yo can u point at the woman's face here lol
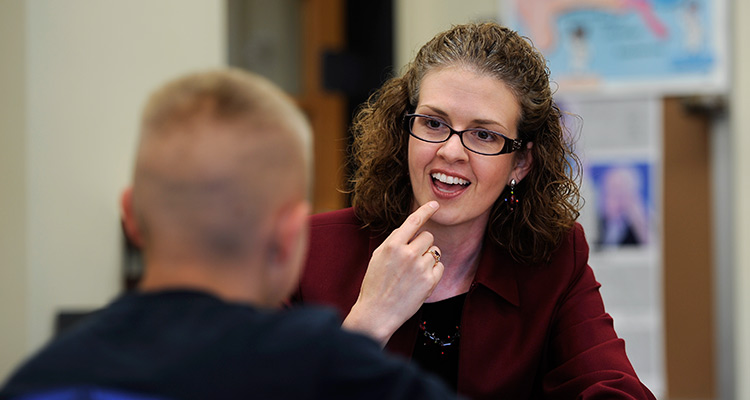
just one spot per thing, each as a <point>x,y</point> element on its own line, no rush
<point>465,184</point>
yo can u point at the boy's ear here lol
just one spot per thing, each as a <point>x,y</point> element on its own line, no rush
<point>291,234</point>
<point>129,221</point>
<point>288,250</point>
<point>524,161</point>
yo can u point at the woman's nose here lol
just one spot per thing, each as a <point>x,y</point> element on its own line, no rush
<point>453,150</point>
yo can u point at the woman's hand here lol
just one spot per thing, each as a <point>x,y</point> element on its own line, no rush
<point>401,275</point>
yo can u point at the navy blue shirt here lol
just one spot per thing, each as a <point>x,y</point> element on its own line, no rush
<point>191,345</point>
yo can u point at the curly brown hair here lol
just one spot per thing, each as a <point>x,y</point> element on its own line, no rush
<point>549,195</point>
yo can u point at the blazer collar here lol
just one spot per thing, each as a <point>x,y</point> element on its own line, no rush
<point>497,272</point>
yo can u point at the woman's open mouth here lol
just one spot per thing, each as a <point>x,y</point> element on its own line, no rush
<point>448,184</point>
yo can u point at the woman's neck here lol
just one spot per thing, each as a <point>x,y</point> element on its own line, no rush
<point>460,247</point>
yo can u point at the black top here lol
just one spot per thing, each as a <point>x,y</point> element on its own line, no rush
<point>436,349</point>
<point>191,345</point>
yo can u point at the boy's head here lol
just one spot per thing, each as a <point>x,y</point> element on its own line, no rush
<point>221,177</point>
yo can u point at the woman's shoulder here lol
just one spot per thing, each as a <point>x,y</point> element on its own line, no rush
<point>345,216</point>
<point>579,239</point>
<point>554,278</point>
<point>574,239</point>
<point>338,254</point>
<point>572,254</point>
<point>338,225</point>
<point>570,259</point>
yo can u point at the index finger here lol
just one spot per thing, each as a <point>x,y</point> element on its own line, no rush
<point>413,222</point>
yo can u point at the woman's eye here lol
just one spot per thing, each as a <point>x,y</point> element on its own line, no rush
<point>484,136</point>
<point>434,124</point>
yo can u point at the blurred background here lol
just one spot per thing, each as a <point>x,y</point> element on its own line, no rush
<point>658,86</point>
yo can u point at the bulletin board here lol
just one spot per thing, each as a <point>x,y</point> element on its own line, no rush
<point>619,142</point>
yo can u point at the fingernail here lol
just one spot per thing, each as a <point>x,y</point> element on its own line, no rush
<point>433,204</point>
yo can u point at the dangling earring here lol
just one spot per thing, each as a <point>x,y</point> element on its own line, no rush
<point>512,201</point>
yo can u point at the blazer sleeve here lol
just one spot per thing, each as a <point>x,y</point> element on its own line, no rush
<point>338,254</point>
<point>587,359</point>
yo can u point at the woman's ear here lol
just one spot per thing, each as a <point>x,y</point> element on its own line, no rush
<point>129,221</point>
<point>524,161</point>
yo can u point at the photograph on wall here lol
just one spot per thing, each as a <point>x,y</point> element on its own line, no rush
<point>622,200</point>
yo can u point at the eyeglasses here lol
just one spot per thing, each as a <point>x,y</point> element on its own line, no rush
<point>477,140</point>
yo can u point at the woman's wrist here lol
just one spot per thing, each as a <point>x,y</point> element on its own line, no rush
<point>366,323</point>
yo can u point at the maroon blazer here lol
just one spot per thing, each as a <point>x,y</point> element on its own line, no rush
<point>527,331</point>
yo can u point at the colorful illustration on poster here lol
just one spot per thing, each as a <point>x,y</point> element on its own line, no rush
<point>656,45</point>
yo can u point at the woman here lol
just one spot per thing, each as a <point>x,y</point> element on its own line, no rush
<point>487,282</point>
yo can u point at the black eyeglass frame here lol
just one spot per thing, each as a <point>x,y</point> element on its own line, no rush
<point>510,145</point>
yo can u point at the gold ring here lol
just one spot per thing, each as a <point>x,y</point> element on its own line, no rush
<point>436,255</point>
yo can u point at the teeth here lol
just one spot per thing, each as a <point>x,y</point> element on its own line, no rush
<point>450,180</point>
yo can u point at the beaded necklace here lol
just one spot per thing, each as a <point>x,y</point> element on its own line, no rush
<point>439,335</point>
<point>450,340</point>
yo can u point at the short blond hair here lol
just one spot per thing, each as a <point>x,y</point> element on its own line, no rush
<point>231,92</point>
<point>219,151</point>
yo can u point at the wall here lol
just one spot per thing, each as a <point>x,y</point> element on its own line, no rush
<point>89,66</point>
<point>740,126</point>
<point>13,284</point>
<point>417,21</point>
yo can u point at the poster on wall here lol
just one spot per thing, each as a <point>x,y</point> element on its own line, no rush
<point>632,46</point>
<point>618,140</point>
